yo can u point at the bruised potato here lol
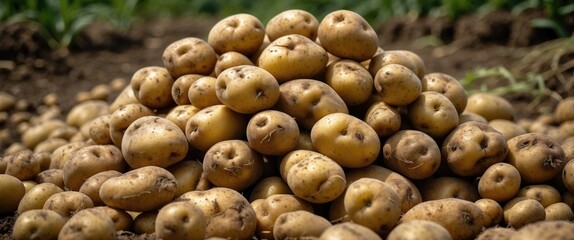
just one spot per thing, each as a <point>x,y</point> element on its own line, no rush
<point>293,21</point>
<point>272,132</point>
<point>242,33</point>
<point>189,55</point>
<point>412,153</point>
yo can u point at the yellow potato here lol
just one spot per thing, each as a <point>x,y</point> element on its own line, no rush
<point>295,224</point>
<point>152,87</point>
<point>180,220</point>
<point>229,60</point>
<point>68,203</point>
<point>543,193</point>
<point>537,157</point>
<point>448,86</point>
<point>412,153</point>
<point>500,182</point>
<point>419,230</point>
<point>509,129</point>
<point>204,129</point>
<point>269,186</point>
<point>189,55</point>
<point>38,224</point>
<point>317,179</point>
<point>492,210</point>
<point>89,161</point>
<point>181,86</point>
<point>383,118</point>
<point>88,224</point>
<point>490,106</point>
<point>397,85</point>
<point>348,230</point>
<point>23,165</point>
<point>37,196</point>
<point>433,114</point>
<point>272,132</point>
<point>187,174</point>
<point>241,33</point>
<point>123,117</point>
<point>91,187</point>
<point>268,210</point>
<point>521,211</point>
<point>202,93</point>
<point>391,57</point>
<point>12,191</point>
<point>350,80</point>
<point>293,21</point>
<point>181,114</point>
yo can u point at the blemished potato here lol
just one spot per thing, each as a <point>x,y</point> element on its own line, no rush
<point>272,132</point>
<point>204,129</point>
<point>144,223</point>
<point>563,111</point>
<point>85,112</point>
<point>55,176</point>
<point>568,175</point>
<point>189,55</point>
<point>412,153</point>
<point>383,118</point>
<point>91,160</point>
<point>537,157</point>
<point>68,203</point>
<point>12,191</point>
<point>448,86</point>
<point>62,154</point>
<point>292,225</point>
<point>88,224</point>
<point>293,21</point>
<point>462,219</point>
<point>187,174</point>
<point>100,130</point>
<point>153,141</point>
<point>152,87</point>
<point>180,220</point>
<point>91,186</point>
<point>468,116</point>
<point>448,187</point>
<point>150,188</point>
<point>181,114</point>
<point>490,106</point>
<point>397,85</point>
<point>472,147</point>
<point>509,129</point>
<point>521,211</point>
<point>317,179</point>
<point>350,80</point>
<point>202,93</point>
<point>390,57</point>
<point>347,34</point>
<point>543,193</point>
<point>228,213</point>
<point>348,230</point>
<point>417,61</point>
<point>269,186</point>
<point>434,114</point>
<point>38,133</point>
<point>229,60</point>
<point>268,210</point>
<point>497,232</point>
<point>293,56</point>
<point>309,100</point>
<point>346,139</point>
<point>419,230</point>
<point>123,117</point>
<point>241,33</point>
<point>233,164</point>
<point>545,230</point>
<point>122,220</point>
<point>247,89</point>
<point>37,196</point>
<point>500,182</point>
<point>373,204</point>
<point>292,158</point>
<point>23,165</point>
<point>38,224</point>
<point>492,210</point>
<point>181,86</point>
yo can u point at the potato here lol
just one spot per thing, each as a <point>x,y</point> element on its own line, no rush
<point>55,176</point>
<point>419,230</point>
<point>37,196</point>
<point>187,174</point>
<point>85,112</point>
<point>150,188</point>
<point>295,225</point>
<point>229,60</point>
<point>317,179</point>
<point>88,224</point>
<point>559,211</point>
<point>8,101</point>
<point>433,114</point>
<point>497,232</point>
<point>447,86</point>
<point>153,141</point>
<point>202,93</point>
<point>38,133</point>
<point>228,213</point>
<point>62,154</point>
<point>309,100</point>
<point>100,130</point>
<point>241,33</point>
<point>12,191</point>
<point>500,182</point>
<point>468,116</point>
<point>568,175</point>
<point>66,132</point>
<point>490,106</point>
<point>38,224</point>
<point>144,223</point>
<point>448,187</point>
<point>293,56</point>
<point>23,165</point>
<point>537,157</point>
<point>545,230</point>
<point>493,212</point>
<point>472,147</point>
<point>189,55</point>
<point>68,203</point>
<point>180,220</point>
<point>373,204</point>
<point>412,153</point>
<point>268,187</point>
<point>268,210</point>
<point>292,158</point>
<point>509,129</point>
<point>347,34</point>
<point>397,85</point>
<point>91,186</point>
<point>204,129</point>
<point>347,140</point>
<point>543,193</point>
<point>49,145</point>
<point>390,57</point>
<point>272,132</point>
<point>123,117</point>
<point>293,21</point>
<point>152,87</point>
<point>462,219</point>
<point>521,211</point>
<point>181,86</point>
<point>417,61</point>
<point>91,160</point>
<point>181,114</point>
<point>348,230</point>
<point>122,220</point>
<point>563,111</point>
<point>233,164</point>
<point>350,80</point>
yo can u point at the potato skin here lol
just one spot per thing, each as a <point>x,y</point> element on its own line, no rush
<point>273,132</point>
<point>12,190</point>
<point>397,85</point>
<point>38,224</point>
<point>545,230</point>
<point>296,225</point>
<point>412,153</point>
<point>169,223</point>
<point>189,55</point>
<point>122,118</point>
<point>390,57</point>
<point>448,86</point>
<point>383,118</point>
<point>537,157</point>
<point>448,187</point>
<point>350,80</point>
<point>204,130</point>
<point>419,230</point>
<point>492,210</point>
<point>242,33</point>
<point>293,21</point>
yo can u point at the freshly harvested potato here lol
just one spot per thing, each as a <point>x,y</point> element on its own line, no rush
<point>100,130</point>
<point>537,157</point>
<point>268,210</point>
<point>181,86</point>
<point>543,193</point>
<point>12,191</point>
<point>497,232</point>
<point>293,56</point>
<point>180,220</point>
<point>269,186</point>
<point>68,203</point>
<point>293,225</point>
<point>38,133</point>
<point>493,212</point>
<point>49,145</point>
<point>293,21</point>
<point>545,230</point>
<point>509,129</point>
<point>87,111</point>
<point>202,93</point>
<point>490,106</point>
<point>189,55</point>
<point>204,129</point>
<point>292,158</point>
<point>152,87</point>
<point>472,147</point>
<point>23,165</point>
<point>390,57</point>
<point>64,132</point>
<point>348,230</point>
<point>45,159</point>
<point>241,33</point>
<point>383,118</point>
<point>150,188</point>
<point>55,176</point>
<point>433,114</point>
<point>462,219</point>
<point>37,196</point>
<point>559,211</point>
<point>397,85</point>
<point>62,154</point>
<point>144,223</point>
<point>500,182</point>
<point>123,117</point>
<point>568,175</point>
<point>448,187</point>
<point>346,139</point>
<point>317,179</point>
<point>88,224</point>
<point>181,114</point>
<point>350,80</point>
<point>272,132</point>
<point>448,86</point>
<point>419,230</point>
<point>91,186</point>
<point>563,111</point>
<point>468,116</point>
<point>521,211</point>
<point>417,61</point>
<point>122,220</point>
<point>89,161</point>
<point>153,141</point>
<point>309,100</point>
<point>187,174</point>
<point>38,224</point>
<point>412,153</point>
<point>347,34</point>
<point>229,60</point>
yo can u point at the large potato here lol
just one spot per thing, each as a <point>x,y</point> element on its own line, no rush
<point>89,161</point>
<point>38,224</point>
<point>500,182</point>
<point>537,157</point>
<point>292,225</point>
<point>317,179</point>
<point>12,191</point>
<point>293,21</point>
<point>412,153</point>
<point>397,85</point>
<point>490,106</point>
<point>521,211</point>
<point>433,114</point>
<point>241,33</point>
<point>180,220</point>
<point>559,211</point>
<point>204,129</point>
<point>268,210</point>
<point>272,132</point>
<point>189,55</point>
<point>350,80</point>
<point>448,86</point>
<point>152,87</point>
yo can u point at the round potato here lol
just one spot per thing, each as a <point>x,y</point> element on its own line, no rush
<point>490,106</point>
<point>397,85</point>
<point>23,165</point>
<point>242,33</point>
<point>433,114</point>
<point>100,130</point>
<point>122,220</point>
<point>417,61</point>
<point>317,179</point>
<point>269,186</point>
<point>202,93</point>
<point>509,129</point>
<point>559,211</point>
<point>268,210</point>
<point>152,87</point>
<point>204,129</point>
<point>448,187</point>
<point>390,57</point>
<point>563,111</point>
<point>383,118</point>
<point>181,86</point>
<point>88,224</point>
<point>12,191</point>
<point>272,132</point>
<point>419,230</point>
<point>493,212</point>
<point>412,153</point>
<point>181,114</point>
<point>187,174</point>
<point>293,21</point>
<point>291,225</point>
<point>350,80</point>
<point>229,60</point>
<point>180,220</point>
<point>500,182</point>
<point>537,157</point>
<point>91,160</point>
<point>448,86</point>
<point>189,55</point>
<point>348,230</point>
<point>37,196</point>
<point>38,224</point>
<point>68,203</point>
<point>543,193</point>
<point>521,211</point>
<point>91,186</point>
<point>123,117</point>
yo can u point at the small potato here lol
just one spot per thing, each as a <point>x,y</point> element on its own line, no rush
<point>493,212</point>
<point>293,21</point>
<point>543,193</point>
<point>350,80</point>
<point>38,224</point>
<point>390,57</point>
<point>100,130</point>
<point>563,111</point>
<point>317,179</point>
<point>204,129</point>
<point>417,61</point>
<point>272,132</point>
<point>91,186</point>
<point>559,211</point>
<point>521,211</point>
<point>500,182</point>
<point>448,187</point>
<point>181,114</point>
<point>295,225</point>
<point>568,175</point>
<point>87,111</point>
<point>180,220</point>
<point>241,33</point>
<point>68,203</point>
<point>448,86</point>
<point>88,224</point>
<point>37,196</point>
<point>38,133</point>
<point>419,230</point>
<point>537,157</point>
<point>12,191</point>
<point>123,117</point>
<point>23,165</point>
<point>468,116</point>
<point>55,176</point>
<point>152,87</point>
<point>490,106</point>
<point>150,188</point>
<point>269,186</point>
<point>348,230</point>
<point>122,220</point>
<point>187,174</point>
<point>181,86</point>
<point>62,154</point>
<point>397,85</point>
<point>49,145</point>
<point>229,60</point>
<point>347,34</point>
<point>433,114</point>
<point>497,232</point>
<point>545,230</point>
<point>189,55</point>
<point>90,160</point>
<point>64,132</point>
<point>144,223</point>
<point>412,153</point>
<point>509,129</point>
<point>268,210</point>
<point>202,93</point>
<point>383,118</point>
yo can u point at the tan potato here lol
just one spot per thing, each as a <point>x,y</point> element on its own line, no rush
<point>350,80</point>
<point>268,210</point>
<point>568,174</point>
<point>568,198</point>
<point>189,55</point>
<point>37,196</point>
<point>292,21</point>
<point>91,186</point>
<point>90,160</point>
<point>509,129</point>
<point>397,85</point>
<point>100,130</point>
<point>521,211</point>
<point>23,165</point>
<point>45,158</point>
<point>448,187</point>
<point>123,117</point>
<point>29,184</point>
<point>412,153</point>
<point>417,61</point>
<point>472,147</point>
<point>492,210</point>
<point>62,154</point>
<point>433,114</point>
<point>309,100</point>
<point>144,223</point>
<point>122,220</point>
<point>38,133</point>
<point>390,57</point>
<point>181,114</point>
<point>180,220</point>
<point>203,129</point>
<point>64,132</point>
<point>181,86</point>
<point>468,116</point>
<point>490,106</point>
<point>383,118</point>
<point>272,132</point>
<point>543,193</point>
<point>7,101</point>
<point>54,176</point>
<point>293,56</point>
<point>419,230</point>
<point>347,34</point>
<point>497,232</point>
<point>559,211</point>
<point>292,158</point>
<point>447,86</point>
<point>202,93</point>
<point>537,157</point>
<point>241,33</point>
<point>68,203</point>
<point>269,186</point>
<point>87,111</point>
<point>563,111</point>
<point>187,174</point>
<point>12,191</point>
<point>348,230</point>
<point>295,225</point>
<point>38,224</point>
<point>49,145</point>
<point>545,230</point>
<point>88,224</point>
<point>500,182</point>
<point>152,87</point>
<point>229,60</point>
<point>317,179</point>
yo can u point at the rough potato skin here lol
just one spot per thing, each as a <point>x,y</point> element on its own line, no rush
<point>545,230</point>
<point>189,56</point>
<point>498,233</point>
<point>419,230</point>
<point>293,21</point>
<point>537,157</point>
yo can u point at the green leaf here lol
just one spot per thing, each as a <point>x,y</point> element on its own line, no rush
<point>550,24</point>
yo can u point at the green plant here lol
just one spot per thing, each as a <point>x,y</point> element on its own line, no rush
<point>556,13</point>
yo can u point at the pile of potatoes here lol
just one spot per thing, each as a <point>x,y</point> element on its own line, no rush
<point>296,129</point>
